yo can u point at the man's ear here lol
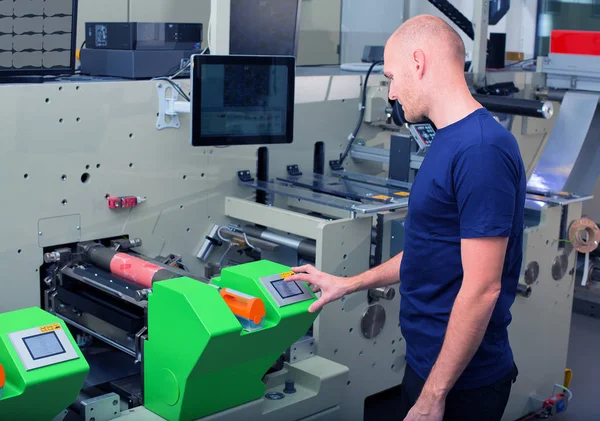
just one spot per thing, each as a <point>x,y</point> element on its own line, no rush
<point>419,62</point>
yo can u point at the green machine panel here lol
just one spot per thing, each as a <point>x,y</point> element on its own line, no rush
<point>44,367</point>
<point>198,359</point>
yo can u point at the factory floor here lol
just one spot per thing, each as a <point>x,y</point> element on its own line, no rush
<point>583,359</point>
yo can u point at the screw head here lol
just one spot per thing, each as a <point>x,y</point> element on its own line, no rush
<point>115,402</point>
<point>40,233</point>
<point>78,227</point>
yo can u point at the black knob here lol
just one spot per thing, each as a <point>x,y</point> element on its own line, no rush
<point>289,387</point>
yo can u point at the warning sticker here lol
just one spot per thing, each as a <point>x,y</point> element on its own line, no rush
<point>50,328</point>
<point>402,193</point>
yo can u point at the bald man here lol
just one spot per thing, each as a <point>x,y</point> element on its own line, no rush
<point>464,238</point>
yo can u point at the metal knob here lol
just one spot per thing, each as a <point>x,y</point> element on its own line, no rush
<point>142,294</point>
<point>382,293</point>
<point>135,242</point>
<point>524,290</point>
<point>52,257</point>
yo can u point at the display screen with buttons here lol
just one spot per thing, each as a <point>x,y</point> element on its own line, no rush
<point>423,134</point>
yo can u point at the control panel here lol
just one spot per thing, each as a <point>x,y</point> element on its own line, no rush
<point>42,346</point>
<point>286,293</point>
<point>423,134</point>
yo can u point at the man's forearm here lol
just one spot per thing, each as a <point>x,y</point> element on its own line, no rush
<point>469,319</point>
<point>385,274</point>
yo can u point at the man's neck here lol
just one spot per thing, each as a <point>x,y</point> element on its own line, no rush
<point>451,104</point>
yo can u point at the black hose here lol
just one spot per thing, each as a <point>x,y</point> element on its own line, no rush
<point>362,114</point>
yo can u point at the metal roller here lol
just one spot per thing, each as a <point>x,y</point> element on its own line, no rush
<point>306,248</point>
<point>516,106</point>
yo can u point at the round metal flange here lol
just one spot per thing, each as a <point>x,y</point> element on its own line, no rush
<point>559,267</point>
<point>532,272</point>
<point>584,235</point>
<point>372,321</point>
<point>274,396</point>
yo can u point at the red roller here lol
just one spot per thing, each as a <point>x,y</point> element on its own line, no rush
<point>134,269</point>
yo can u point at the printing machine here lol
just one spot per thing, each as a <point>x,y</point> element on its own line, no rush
<point>138,266</point>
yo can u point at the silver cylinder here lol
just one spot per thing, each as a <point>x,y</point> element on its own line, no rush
<point>306,248</point>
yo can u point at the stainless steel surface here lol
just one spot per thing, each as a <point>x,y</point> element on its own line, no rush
<point>572,71</point>
<point>557,200</point>
<point>324,199</point>
<point>372,321</point>
<point>372,179</point>
<point>384,293</point>
<point>480,26</point>
<point>370,154</point>
<point>532,272</point>
<point>560,265</point>
<point>301,350</point>
<point>102,408</point>
<point>556,170</point>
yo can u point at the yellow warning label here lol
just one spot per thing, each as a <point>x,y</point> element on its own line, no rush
<point>50,328</point>
<point>402,193</point>
<point>286,274</point>
<point>381,197</point>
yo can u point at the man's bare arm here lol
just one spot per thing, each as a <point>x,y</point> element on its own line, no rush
<point>335,287</point>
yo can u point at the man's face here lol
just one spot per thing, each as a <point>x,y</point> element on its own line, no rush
<point>404,85</point>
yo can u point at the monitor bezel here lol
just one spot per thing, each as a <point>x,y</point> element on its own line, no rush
<point>198,60</point>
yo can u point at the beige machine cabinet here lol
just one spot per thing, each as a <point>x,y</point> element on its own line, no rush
<point>354,331</point>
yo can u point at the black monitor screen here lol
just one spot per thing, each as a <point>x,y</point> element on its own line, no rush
<point>264,27</point>
<point>242,100</point>
<point>37,37</point>
<point>44,345</point>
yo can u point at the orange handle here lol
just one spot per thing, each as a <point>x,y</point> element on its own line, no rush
<point>245,306</point>
<point>2,377</point>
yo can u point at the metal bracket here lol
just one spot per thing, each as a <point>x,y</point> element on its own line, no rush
<point>169,107</point>
<point>245,176</point>
<point>335,165</point>
<point>574,81</point>
<point>293,170</point>
<point>102,408</point>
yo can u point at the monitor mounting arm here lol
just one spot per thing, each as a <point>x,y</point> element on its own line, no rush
<point>169,107</point>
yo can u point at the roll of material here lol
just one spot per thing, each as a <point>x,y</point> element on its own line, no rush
<point>516,106</point>
<point>134,269</point>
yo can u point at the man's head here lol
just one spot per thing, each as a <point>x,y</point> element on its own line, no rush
<point>423,56</point>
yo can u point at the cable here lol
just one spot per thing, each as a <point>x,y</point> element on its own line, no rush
<point>175,86</point>
<point>352,136</point>
<point>560,386</point>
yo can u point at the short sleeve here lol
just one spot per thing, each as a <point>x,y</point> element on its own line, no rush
<point>485,185</point>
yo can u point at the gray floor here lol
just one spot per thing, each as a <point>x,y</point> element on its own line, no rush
<point>584,360</point>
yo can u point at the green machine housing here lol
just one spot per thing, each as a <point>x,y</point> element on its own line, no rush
<point>41,385</point>
<point>198,359</point>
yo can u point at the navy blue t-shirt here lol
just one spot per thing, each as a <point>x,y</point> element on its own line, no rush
<point>471,184</point>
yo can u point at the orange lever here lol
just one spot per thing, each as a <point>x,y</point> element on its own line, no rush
<point>2,379</point>
<point>250,308</point>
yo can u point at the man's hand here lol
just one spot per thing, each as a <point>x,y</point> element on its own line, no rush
<point>332,287</point>
<point>427,409</point>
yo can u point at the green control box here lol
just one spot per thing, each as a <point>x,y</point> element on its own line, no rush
<point>199,359</point>
<point>45,370</point>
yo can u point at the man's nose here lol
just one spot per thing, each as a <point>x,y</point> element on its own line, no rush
<point>392,95</point>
